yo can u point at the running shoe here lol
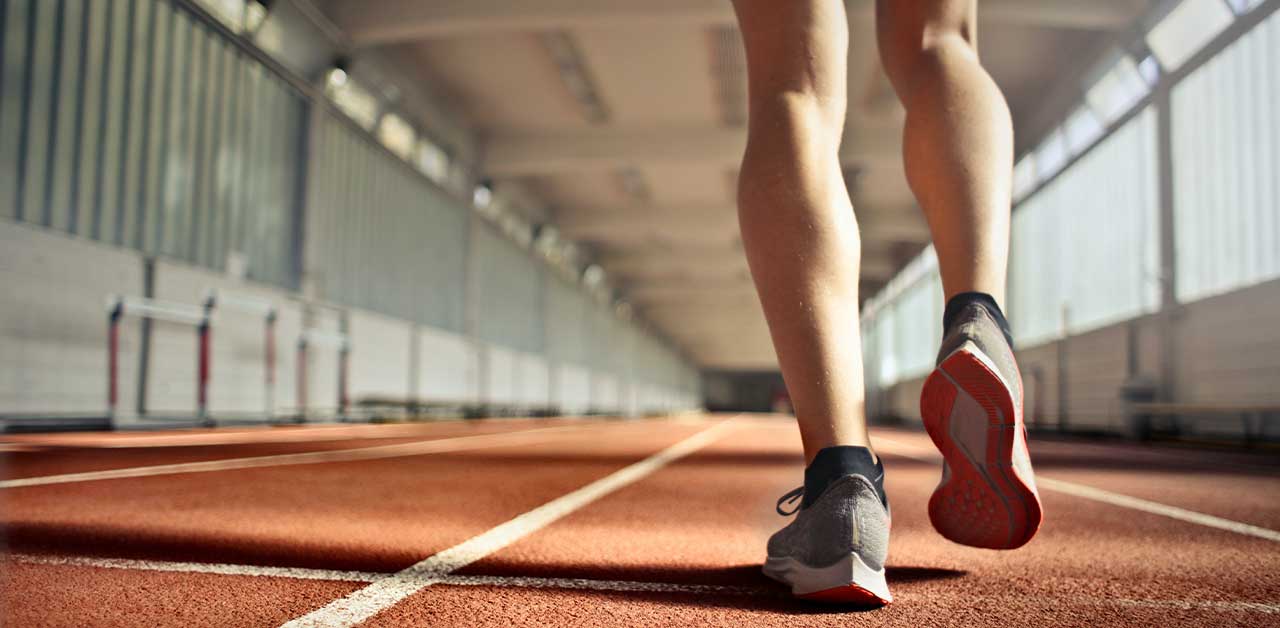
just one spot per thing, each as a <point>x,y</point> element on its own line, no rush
<point>972,408</point>
<point>835,548</point>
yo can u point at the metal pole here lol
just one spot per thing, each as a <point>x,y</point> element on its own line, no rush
<point>269,365</point>
<point>302,378</point>
<point>203,333</point>
<point>1064,361</point>
<point>344,361</point>
<point>1168,250</point>
<point>113,360</point>
<point>344,355</point>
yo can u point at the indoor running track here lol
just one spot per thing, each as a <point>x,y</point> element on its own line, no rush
<point>576,522</point>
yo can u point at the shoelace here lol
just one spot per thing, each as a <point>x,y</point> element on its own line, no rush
<point>791,497</point>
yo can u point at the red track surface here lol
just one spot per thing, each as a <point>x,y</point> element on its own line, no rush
<point>679,547</point>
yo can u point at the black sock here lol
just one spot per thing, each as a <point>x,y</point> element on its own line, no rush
<point>833,463</point>
<point>957,304</point>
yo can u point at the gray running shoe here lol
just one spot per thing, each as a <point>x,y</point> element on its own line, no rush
<point>972,409</point>
<point>834,551</point>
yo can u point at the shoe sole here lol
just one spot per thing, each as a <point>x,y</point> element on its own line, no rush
<point>984,500</point>
<point>849,581</point>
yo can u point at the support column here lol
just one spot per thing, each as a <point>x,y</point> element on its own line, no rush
<point>1168,314</point>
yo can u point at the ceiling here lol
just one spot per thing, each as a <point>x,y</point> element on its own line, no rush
<point>624,121</point>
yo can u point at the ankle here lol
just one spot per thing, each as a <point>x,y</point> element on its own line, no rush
<point>832,463</point>
<point>961,301</point>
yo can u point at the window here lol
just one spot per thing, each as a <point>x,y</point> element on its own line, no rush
<point>1186,29</point>
<point>1149,68</point>
<point>1082,129</point>
<point>1051,155</point>
<point>1119,88</point>
<point>1243,6</point>
<point>397,135</point>
<point>240,16</point>
<point>229,12</point>
<point>355,101</point>
<point>1024,177</point>
<point>432,161</point>
<point>546,244</point>
<point>516,229</point>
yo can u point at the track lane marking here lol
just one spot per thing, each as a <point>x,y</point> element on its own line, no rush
<point>387,592</point>
<point>212,437</point>
<point>438,445</point>
<point>221,569</point>
<point>335,575</point>
<point>588,584</point>
<point>1099,495</point>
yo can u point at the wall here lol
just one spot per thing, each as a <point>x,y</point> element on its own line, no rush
<point>135,135</point>
<point>55,366</point>
<point>53,322</point>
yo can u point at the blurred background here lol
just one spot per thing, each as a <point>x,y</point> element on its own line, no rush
<point>250,210</point>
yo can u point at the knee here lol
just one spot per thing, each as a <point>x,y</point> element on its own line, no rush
<point>913,36</point>
<point>797,113</point>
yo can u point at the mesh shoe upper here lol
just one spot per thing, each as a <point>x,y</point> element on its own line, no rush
<point>848,518</point>
<point>975,325</point>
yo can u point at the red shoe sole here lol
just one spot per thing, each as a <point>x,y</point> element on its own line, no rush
<point>970,415</point>
<point>850,594</point>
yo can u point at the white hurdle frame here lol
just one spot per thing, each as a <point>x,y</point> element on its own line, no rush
<point>118,307</point>
<point>266,308</point>
<point>322,338</point>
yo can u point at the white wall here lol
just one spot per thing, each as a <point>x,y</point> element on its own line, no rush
<point>499,374</point>
<point>447,366</point>
<point>533,379</point>
<point>381,350</point>
<point>574,388</point>
<point>604,393</point>
<point>53,322</point>
<point>53,360</point>
<point>323,363</point>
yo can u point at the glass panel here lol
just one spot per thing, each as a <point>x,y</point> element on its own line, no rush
<point>432,161</point>
<point>1051,155</point>
<point>1024,177</point>
<point>1186,29</point>
<point>1082,129</point>
<point>229,12</point>
<point>358,103</point>
<point>397,135</point>
<point>1117,90</point>
<point>1226,150</point>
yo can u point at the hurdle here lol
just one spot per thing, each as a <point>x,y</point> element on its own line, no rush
<point>265,308</point>
<point>118,307</point>
<point>322,338</point>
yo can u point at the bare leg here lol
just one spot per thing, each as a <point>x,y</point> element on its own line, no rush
<point>958,143</point>
<point>958,150</point>
<point>797,221</point>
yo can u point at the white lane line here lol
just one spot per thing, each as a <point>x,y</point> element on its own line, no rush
<point>587,584</point>
<point>439,445</point>
<point>385,593</point>
<point>300,573</point>
<point>1200,605</point>
<point>221,569</point>
<point>1173,512</point>
<point>202,437</point>
<point>1100,495</point>
<point>1006,601</point>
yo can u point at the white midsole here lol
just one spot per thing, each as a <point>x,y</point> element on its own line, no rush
<point>848,570</point>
